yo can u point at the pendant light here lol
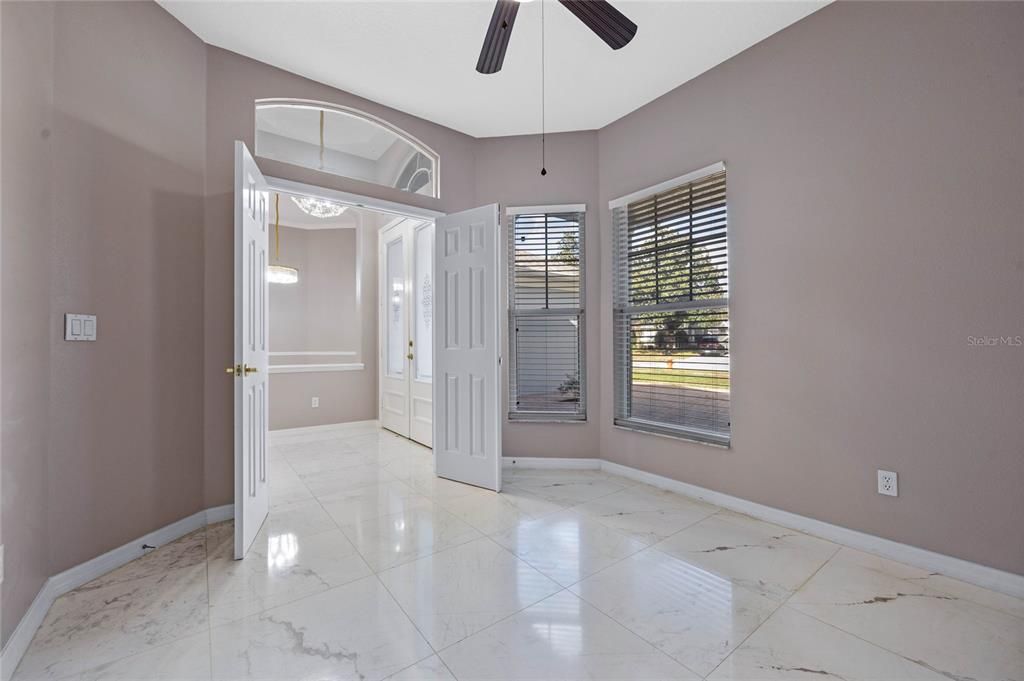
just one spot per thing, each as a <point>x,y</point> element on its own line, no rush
<point>280,274</point>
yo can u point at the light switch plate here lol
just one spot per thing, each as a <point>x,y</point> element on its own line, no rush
<point>79,327</point>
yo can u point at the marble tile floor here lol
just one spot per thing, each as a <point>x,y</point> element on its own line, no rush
<point>371,568</point>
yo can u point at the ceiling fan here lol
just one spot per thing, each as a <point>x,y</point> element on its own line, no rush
<point>610,25</point>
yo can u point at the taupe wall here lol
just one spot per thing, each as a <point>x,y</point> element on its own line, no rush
<point>26,57</point>
<point>508,172</point>
<point>104,116</point>
<point>875,164</point>
<point>316,314</point>
<point>875,154</point>
<point>128,171</point>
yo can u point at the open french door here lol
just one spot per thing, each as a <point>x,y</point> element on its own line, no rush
<point>250,370</point>
<point>467,339</point>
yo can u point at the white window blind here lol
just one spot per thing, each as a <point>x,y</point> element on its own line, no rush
<point>671,309</point>
<point>546,372</point>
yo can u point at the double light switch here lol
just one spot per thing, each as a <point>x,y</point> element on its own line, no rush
<point>80,327</point>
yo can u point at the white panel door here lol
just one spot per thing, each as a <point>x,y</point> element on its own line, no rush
<point>394,327</point>
<point>467,394</point>
<point>252,497</point>
<point>421,373</point>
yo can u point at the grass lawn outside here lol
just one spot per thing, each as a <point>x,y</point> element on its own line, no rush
<point>699,378</point>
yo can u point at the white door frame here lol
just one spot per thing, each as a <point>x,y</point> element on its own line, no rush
<point>278,184</point>
<point>401,211</point>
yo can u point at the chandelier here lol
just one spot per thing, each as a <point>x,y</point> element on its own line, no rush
<point>319,208</point>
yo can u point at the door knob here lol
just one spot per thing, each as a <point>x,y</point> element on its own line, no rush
<point>250,370</point>
<point>234,371</point>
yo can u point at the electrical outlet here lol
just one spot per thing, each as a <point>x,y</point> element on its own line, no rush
<point>888,483</point>
<point>316,402</point>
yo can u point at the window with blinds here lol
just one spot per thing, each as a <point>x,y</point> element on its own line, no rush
<point>671,308</point>
<point>545,285</point>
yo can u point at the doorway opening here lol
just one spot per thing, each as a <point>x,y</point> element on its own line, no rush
<point>327,356</point>
<point>336,320</point>
<point>337,353</point>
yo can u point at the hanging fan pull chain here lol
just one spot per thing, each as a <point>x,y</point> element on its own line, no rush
<point>543,94</point>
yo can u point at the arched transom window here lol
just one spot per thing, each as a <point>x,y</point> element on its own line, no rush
<point>345,142</point>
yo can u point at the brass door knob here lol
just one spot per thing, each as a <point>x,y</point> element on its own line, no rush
<point>250,370</point>
<point>234,371</point>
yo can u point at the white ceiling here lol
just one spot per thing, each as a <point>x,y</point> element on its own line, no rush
<point>420,56</point>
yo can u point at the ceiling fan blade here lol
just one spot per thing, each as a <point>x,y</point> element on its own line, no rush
<point>492,54</point>
<point>608,23</point>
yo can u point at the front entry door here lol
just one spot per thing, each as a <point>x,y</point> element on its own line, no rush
<point>406,309</point>
<point>467,396</point>
<point>252,497</point>
<point>394,338</point>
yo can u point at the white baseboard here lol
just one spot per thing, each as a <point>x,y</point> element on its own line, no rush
<point>219,514</point>
<point>72,578</point>
<point>980,575</point>
<point>22,635</point>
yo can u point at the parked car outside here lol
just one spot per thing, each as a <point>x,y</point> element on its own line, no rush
<point>710,346</point>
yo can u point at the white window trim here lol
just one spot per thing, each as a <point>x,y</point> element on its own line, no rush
<point>694,435</point>
<point>686,178</point>
<point>559,208</point>
<point>512,416</point>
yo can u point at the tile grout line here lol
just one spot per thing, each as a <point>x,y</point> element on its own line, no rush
<point>147,648</point>
<point>919,663</point>
<point>376,576</point>
<point>777,609</point>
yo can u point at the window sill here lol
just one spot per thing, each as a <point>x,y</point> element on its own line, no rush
<point>541,419</point>
<point>725,443</point>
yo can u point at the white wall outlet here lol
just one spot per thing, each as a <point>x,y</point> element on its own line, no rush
<point>316,402</point>
<point>888,483</point>
<point>79,327</point>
